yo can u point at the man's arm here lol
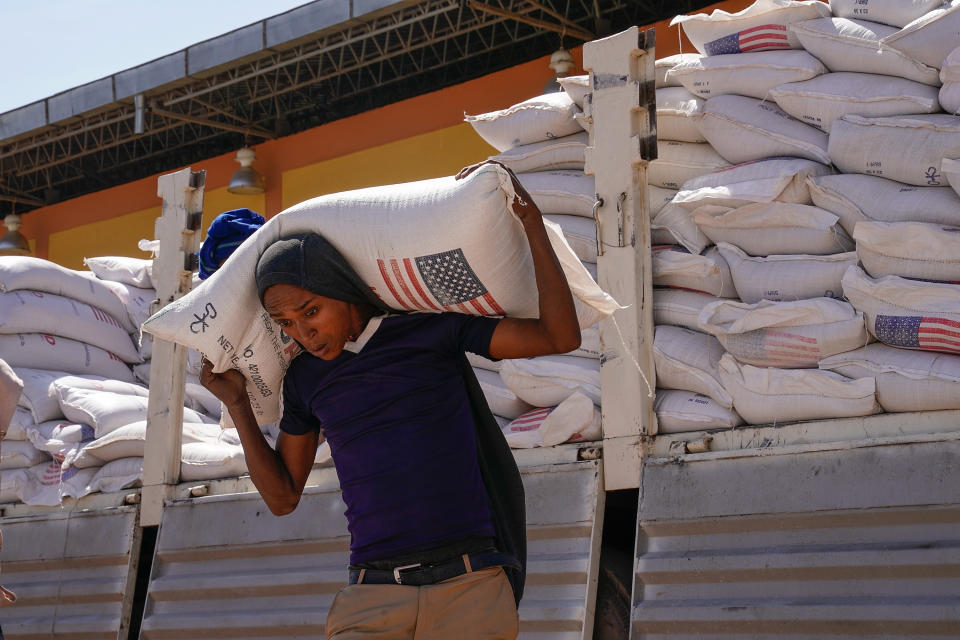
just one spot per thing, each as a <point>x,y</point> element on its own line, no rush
<point>557,329</point>
<point>278,475</point>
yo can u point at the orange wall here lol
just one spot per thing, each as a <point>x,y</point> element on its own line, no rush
<point>418,138</point>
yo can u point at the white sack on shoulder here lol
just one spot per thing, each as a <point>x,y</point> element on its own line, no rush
<point>42,351</point>
<point>759,27</point>
<point>906,313</point>
<point>136,272</point>
<point>707,272</point>
<point>767,395</point>
<point>907,380</point>
<point>680,308</point>
<point>678,162</point>
<point>773,179</point>
<point>904,148</point>
<point>786,277</point>
<point>745,74</point>
<point>909,249</point>
<point>549,380</point>
<point>793,334</point>
<point>540,118</point>
<point>897,13</point>
<point>677,113</point>
<point>26,311</point>
<point>930,37</point>
<point>500,398</point>
<point>744,129</point>
<point>822,100</point>
<point>681,411</point>
<point>25,272</point>
<point>687,360</point>
<point>569,192</point>
<point>380,232</point>
<point>774,228</point>
<point>550,155</point>
<point>106,412</point>
<point>855,197</point>
<point>855,45</point>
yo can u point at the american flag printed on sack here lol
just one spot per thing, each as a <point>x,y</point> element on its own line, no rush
<point>928,333</point>
<point>774,348</point>
<point>765,37</point>
<point>530,420</point>
<point>439,282</point>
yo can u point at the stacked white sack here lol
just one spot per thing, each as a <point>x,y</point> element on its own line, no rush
<point>770,395</point>
<point>551,170</point>
<point>793,334</point>
<point>950,77</point>
<point>741,74</point>
<point>855,197</point>
<point>72,422</point>
<point>58,319</point>
<point>907,380</point>
<point>907,313</point>
<point>761,26</point>
<point>131,279</point>
<point>884,75</point>
<point>915,250</point>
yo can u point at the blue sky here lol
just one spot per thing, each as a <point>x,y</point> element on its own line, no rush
<point>48,46</point>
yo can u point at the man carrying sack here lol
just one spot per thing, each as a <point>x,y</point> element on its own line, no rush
<point>435,505</point>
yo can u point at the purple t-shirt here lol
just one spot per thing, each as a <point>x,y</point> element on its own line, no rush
<point>395,410</point>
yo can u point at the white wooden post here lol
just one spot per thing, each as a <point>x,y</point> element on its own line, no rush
<point>622,141</point>
<point>178,230</point>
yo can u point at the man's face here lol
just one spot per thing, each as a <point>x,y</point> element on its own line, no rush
<point>320,324</point>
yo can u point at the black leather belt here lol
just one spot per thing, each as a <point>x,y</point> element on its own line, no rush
<point>418,575</point>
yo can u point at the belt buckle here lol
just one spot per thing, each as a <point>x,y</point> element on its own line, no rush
<point>397,570</point>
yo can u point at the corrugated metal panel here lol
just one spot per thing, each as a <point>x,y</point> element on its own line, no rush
<point>564,522</point>
<point>70,571</point>
<point>857,542</point>
<point>226,568</point>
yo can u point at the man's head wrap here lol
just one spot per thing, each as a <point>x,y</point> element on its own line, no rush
<point>227,232</point>
<point>308,261</point>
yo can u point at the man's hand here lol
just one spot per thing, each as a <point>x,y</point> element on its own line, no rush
<point>230,387</point>
<point>523,205</point>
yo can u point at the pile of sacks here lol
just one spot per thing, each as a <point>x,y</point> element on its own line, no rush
<point>817,276</point>
<point>805,233</point>
<point>73,339</point>
<point>552,399</point>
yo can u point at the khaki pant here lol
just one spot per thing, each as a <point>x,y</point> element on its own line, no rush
<point>474,606</point>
